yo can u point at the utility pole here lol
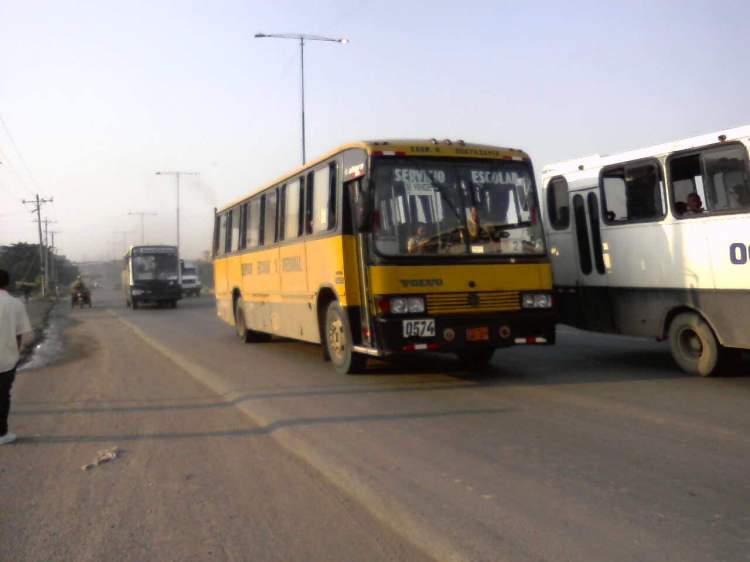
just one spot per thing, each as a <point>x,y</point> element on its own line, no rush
<point>177,177</point>
<point>53,269</point>
<point>46,249</point>
<point>143,239</point>
<point>37,209</point>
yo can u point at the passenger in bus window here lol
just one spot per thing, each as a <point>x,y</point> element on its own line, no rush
<point>680,207</point>
<point>739,197</point>
<point>416,244</point>
<point>694,204</point>
<point>472,223</point>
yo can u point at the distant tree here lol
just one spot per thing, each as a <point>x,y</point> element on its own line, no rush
<point>21,260</point>
<point>65,270</point>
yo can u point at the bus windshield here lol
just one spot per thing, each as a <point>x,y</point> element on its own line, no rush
<point>441,207</point>
<point>158,267</point>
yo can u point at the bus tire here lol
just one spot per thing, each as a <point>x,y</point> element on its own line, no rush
<point>243,332</point>
<point>693,344</point>
<point>476,358</point>
<point>339,343</point>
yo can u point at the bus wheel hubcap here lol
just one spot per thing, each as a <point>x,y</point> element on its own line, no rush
<point>691,344</point>
<point>336,337</point>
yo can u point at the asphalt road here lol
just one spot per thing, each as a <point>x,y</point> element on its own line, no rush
<point>596,449</point>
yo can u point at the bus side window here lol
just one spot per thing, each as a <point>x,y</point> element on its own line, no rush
<point>228,232</point>
<point>309,203</point>
<point>633,192</point>
<point>558,207</point>
<point>718,175</point>
<point>292,196</point>
<point>243,226</point>
<point>219,222</point>
<point>235,240</point>
<point>324,198</point>
<point>253,223</point>
<point>269,212</point>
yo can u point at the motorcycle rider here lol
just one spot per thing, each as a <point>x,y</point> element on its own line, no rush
<point>79,287</point>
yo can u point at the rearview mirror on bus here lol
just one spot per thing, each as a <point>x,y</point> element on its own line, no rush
<point>363,212</point>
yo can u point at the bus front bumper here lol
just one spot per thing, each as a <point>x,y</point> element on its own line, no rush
<point>146,295</point>
<point>469,331</point>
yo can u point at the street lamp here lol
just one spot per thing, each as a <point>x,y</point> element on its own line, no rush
<point>142,231</point>
<point>177,177</point>
<point>301,39</point>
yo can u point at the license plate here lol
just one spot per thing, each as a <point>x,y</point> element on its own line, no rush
<point>477,334</point>
<point>421,328</point>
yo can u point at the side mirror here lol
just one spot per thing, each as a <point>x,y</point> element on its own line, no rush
<point>363,212</point>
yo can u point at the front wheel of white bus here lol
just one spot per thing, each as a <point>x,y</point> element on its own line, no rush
<point>339,342</point>
<point>694,345</point>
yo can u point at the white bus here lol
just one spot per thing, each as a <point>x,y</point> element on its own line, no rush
<point>629,256</point>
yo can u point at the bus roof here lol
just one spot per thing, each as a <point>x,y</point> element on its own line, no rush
<point>597,161</point>
<point>404,147</point>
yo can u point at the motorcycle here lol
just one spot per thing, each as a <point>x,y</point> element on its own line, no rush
<point>80,297</point>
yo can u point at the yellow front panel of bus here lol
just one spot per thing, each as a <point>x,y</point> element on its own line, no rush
<point>421,279</point>
<point>332,262</point>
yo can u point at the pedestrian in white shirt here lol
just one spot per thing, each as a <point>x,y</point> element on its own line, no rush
<point>14,322</point>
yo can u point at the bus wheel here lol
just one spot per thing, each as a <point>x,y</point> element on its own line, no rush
<point>477,358</point>
<point>339,342</point>
<point>239,323</point>
<point>693,344</point>
<point>243,332</point>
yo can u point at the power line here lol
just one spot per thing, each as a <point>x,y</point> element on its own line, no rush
<point>20,156</point>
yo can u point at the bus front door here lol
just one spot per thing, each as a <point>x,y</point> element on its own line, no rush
<point>595,309</point>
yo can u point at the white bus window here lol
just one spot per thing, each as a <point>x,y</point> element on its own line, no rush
<point>633,192</point>
<point>718,176</point>
<point>558,206</point>
<point>725,178</point>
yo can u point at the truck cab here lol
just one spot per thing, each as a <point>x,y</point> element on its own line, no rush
<point>191,283</point>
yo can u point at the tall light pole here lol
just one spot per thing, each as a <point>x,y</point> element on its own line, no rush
<point>142,231</point>
<point>177,178</point>
<point>302,38</point>
<point>124,233</point>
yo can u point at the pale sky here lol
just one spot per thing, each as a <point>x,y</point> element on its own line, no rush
<point>97,96</point>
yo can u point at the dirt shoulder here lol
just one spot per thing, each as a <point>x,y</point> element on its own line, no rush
<point>38,311</point>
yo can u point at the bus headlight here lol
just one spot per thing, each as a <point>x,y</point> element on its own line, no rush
<point>415,304</point>
<point>398,306</point>
<point>401,305</point>
<point>536,300</point>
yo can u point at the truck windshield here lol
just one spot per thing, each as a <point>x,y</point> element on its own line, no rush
<point>439,207</point>
<point>162,267</point>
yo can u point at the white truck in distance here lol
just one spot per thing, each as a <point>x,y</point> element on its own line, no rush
<point>191,283</point>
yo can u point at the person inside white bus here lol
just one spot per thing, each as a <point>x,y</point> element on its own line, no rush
<point>739,197</point>
<point>694,204</point>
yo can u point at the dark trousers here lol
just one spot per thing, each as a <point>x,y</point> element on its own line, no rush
<point>6,382</point>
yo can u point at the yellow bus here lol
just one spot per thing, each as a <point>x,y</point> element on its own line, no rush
<point>389,247</point>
